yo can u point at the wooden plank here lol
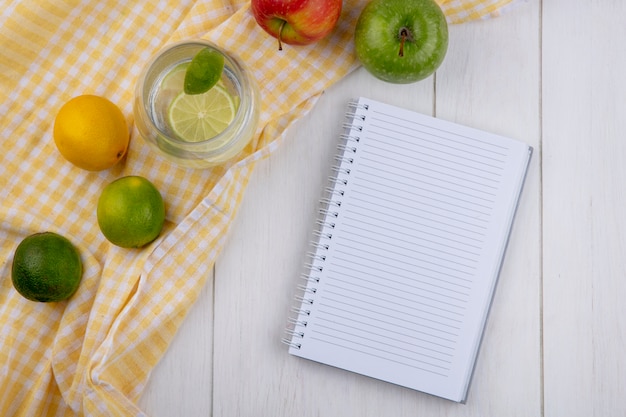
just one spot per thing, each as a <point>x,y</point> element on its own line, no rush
<point>584,235</point>
<point>490,80</point>
<point>258,273</point>
<point>181,383</point>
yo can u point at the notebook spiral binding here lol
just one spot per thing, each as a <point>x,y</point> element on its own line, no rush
<point>330,210</point>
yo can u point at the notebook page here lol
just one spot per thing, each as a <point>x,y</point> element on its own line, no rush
<point>411,249</point>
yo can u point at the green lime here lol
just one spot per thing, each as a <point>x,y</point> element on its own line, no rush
<point>46,267</point>
<point>175,78</point>
<point>204,71</point>
<point>131,212</point>
<point>199,117</point>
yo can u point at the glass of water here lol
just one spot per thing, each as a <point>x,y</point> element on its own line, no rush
<point>196,131</point>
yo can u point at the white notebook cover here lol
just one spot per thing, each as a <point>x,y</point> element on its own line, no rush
<point>411,240</point>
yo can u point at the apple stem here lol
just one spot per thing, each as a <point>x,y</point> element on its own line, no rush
<point>404,34</point>
<point>280,34</point>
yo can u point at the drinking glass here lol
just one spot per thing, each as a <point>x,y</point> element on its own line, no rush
<point>161,82</point>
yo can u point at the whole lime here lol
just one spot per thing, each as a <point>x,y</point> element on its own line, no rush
<point>131,212</point>
<point>46,267</point>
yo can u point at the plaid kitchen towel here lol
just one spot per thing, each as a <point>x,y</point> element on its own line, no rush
<point>91,355</point>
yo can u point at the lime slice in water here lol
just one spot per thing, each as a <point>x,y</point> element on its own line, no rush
<point>201,116</point>
<point>204,71</point>
<point>175,79</point>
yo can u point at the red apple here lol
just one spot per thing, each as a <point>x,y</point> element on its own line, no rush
<point>297,22</point>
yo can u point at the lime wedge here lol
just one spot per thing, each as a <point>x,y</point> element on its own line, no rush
<point>175,79</point>
<point>198,117</point>
<point>204,71</point>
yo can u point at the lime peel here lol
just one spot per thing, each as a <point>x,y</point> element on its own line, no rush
<point>204,71</point>
<point>130,212</point>
<point>46,267</point>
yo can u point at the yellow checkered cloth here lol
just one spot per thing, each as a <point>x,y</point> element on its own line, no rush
<point>92,355</point>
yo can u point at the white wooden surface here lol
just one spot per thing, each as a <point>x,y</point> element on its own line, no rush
<point>550,73</point>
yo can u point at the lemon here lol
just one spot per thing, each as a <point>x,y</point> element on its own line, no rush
<point>198,117</point>
<point>91,132</point>
<point>46,267</point>
<point>131,212</point>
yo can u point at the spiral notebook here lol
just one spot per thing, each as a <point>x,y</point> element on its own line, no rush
<point>408,249</point>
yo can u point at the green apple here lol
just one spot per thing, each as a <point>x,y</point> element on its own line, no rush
<point>401,41</point>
